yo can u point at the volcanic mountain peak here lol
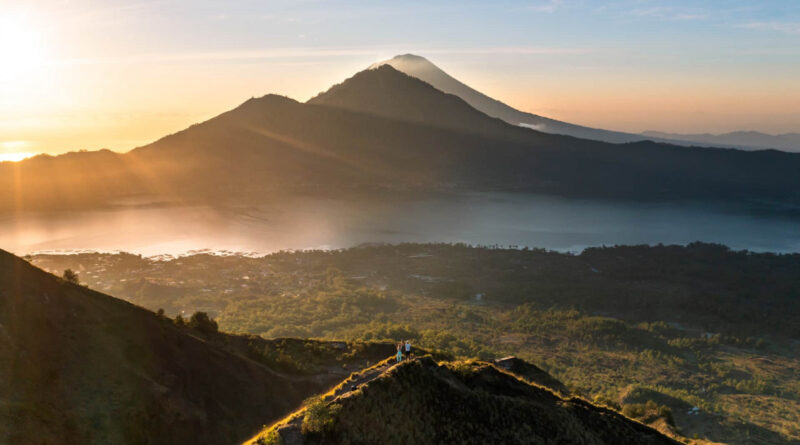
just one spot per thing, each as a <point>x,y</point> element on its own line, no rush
<point>423,69</point>
<point>410,62</point>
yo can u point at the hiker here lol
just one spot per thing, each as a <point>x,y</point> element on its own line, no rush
<point>400,352</point>
<point>408,348</point>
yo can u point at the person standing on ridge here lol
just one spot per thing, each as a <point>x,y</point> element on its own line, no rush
<point>408,348</point>
<point>400,352</point>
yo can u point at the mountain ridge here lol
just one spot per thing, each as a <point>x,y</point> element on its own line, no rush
<point>382,132</point>
<point>428,402</point>
<point>746,140</point>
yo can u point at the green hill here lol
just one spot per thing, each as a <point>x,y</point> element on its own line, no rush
<point>424,402</point>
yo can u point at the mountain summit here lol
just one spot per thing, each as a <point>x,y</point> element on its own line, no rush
<point>423,69</point>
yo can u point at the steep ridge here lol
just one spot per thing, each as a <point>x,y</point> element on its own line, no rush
<point>80,367</point>
<point>425,402</point>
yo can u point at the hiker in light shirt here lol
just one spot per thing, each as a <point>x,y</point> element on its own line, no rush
<point>408,348</point>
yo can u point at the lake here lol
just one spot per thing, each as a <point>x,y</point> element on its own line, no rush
<point>487,219</point>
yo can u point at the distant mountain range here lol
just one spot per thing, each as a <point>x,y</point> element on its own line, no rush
<point>746,140</point>
<point>385,132</point>
<point>423,69</point>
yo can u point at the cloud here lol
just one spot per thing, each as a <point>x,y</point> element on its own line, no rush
<point>548,7</point>
<point>792,28</point>
<point>512,50</point>
<point>668,13</point>
<point>233,55</point>
<point>688,16</point>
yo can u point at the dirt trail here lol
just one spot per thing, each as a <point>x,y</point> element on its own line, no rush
<point>364,378</point>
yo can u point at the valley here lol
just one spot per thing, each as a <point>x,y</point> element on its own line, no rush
<point>620,325</point>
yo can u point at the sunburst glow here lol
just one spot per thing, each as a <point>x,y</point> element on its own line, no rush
<point>14,157</point>
<point>14,151</point>
<point>20,47</point>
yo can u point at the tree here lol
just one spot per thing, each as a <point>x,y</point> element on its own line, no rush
<point>71,277</point>
<point>200,321</point>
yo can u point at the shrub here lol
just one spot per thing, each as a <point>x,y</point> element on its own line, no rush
<point>319,416</point>
<point>633,410</point>
<point>71,277</point>
<point>270,438</point>
<point>666,412</point>
<point>646,411</point>
<point>179,321</point>
<point>200,321</point>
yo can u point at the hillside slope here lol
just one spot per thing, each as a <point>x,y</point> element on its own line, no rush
<point>80,367</point>
<point>424,402</point>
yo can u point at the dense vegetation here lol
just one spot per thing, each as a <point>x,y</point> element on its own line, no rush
<point>684,327</point>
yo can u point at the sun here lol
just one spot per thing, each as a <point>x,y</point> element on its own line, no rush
<point>15,157</point>
<point>20,47</point>
<point>13,151</point>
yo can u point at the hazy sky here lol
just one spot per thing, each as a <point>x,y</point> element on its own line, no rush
<point>86,74</point>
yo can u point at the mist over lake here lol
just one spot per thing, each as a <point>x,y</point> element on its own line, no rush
<point>479,219</point>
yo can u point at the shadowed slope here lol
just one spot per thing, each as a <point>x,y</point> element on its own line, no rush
<point>80,367</point>
<point>531,373</point>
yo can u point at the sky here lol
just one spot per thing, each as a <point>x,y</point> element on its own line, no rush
<point>90,74</point>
